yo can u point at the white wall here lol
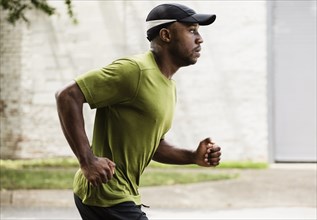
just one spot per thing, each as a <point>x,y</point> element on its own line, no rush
<point>222,96</point>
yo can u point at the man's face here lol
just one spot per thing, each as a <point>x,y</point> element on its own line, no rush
<point>185,43</point>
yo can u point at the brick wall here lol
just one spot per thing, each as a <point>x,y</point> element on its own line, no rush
<point>222,96</point>
<point>10,91</point>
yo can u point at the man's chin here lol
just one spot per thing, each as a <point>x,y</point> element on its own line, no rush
<point>194,61</point>
<point>190,62</point>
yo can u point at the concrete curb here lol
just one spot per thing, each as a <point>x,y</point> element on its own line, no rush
<point>56,198</point>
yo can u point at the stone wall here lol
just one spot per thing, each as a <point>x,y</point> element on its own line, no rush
<point>223,96</point>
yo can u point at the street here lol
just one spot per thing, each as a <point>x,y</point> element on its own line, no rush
<point>70,213</point>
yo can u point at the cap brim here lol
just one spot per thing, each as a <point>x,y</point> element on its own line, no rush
<point>201,19</point>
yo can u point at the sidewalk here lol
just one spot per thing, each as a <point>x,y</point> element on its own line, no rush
<point>284,190</point>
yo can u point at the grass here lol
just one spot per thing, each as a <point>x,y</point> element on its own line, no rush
<point>58,173</point>
<point>36,178</point>
<point>172,178</point>
<point>223,165</point>
<point>35,163</point>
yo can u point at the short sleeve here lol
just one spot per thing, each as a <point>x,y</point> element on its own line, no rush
<point>113,84</point>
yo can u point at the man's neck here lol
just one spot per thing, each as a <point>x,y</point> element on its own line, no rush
<point>165,64</point>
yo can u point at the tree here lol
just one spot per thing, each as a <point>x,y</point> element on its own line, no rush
<point>17,8</point>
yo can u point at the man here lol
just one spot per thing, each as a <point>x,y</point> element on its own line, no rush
<point>135,99</point>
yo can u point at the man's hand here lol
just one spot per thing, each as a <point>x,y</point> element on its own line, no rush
<point>208,153</point>
<point>99,170</point>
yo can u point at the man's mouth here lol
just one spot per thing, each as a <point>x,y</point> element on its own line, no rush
<point>197,51</point>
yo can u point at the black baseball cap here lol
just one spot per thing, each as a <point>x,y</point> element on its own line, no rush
<point>163,15</point>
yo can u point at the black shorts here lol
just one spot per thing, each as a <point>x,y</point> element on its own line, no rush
<point>122,211</point>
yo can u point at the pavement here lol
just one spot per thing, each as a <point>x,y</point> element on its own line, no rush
<point>283,191</point>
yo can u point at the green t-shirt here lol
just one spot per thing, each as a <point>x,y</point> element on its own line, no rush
<point>135,104</point>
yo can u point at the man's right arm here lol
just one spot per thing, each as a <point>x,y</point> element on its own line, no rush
<point>70,101</point>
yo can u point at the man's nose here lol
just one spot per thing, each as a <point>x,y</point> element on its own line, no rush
<point>199,39</point>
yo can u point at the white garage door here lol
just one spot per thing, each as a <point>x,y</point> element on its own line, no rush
<point>292,56</point>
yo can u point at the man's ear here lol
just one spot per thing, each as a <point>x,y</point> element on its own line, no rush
<point>165,35</point>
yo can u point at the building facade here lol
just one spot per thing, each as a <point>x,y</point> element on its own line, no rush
<point>229,95</point>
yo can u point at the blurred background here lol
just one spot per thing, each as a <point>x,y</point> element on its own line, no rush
<point>253,91</point>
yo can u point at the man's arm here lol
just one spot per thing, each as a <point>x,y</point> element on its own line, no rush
<point>207,154</point>
<point>70,101</point>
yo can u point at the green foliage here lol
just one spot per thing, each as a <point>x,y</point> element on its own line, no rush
<point>17,9</point>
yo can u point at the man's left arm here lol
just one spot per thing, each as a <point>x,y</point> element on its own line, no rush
<point>207,154</point>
